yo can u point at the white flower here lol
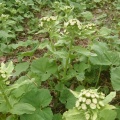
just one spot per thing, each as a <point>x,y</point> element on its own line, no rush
<point>96,95</point>
<point>88,101</point>
<point>101,103</point>
<point>92,96</point>
<point>87,94</point>
<point>87,116</point>
<point>80,99</point>
<point>83,106</point>
<point>77,104</point>
<point>3,75</point>
<point>92,106</point>
<point>94,100</point>
<point>83,99</point>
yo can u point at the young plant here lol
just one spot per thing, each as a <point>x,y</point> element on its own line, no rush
<point>91,105</point>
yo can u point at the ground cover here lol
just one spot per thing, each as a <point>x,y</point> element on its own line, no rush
<point>60,60</point>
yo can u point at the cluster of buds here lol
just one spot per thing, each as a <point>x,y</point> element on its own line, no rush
<point>4,17</point>
<point>5,71</point>
<point>89,26</point>
<point>73,22</point>
<point>47,19</point>
<point>90,100</point>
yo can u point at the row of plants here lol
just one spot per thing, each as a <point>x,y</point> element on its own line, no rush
<point>77,77</point>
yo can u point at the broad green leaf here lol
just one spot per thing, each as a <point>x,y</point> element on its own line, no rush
<point>37,98</point>
<point>113,57</point>
<point>87,15</point>
<point>43,67</point>
<point>83,51</point>
<point>109,97</point>
<point>21,67</point>
<point>22,108</point>
<point>104,31</point>
<point>57,116</point>
<point>76,94</point>
<point>24,44</point>
<point>100,49</point>
<point>39,114</point>
<point>115,78</point>
<point>73,114</point>
<point>43,44</point>
<point>107,114</point>
<point>67,98</point>
<point>118,112</point>
<point>81,67</point>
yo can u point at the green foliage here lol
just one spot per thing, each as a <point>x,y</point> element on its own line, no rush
<point>54,46</point>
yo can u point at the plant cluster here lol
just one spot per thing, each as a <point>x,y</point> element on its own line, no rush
<point>65,60</point>
<point>90,105</point>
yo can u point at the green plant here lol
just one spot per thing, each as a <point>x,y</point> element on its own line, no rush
<point>91,105</point>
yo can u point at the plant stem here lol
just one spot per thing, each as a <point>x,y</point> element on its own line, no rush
<point>98,77</point>
<point>5,97</point>
<point>68,57</point>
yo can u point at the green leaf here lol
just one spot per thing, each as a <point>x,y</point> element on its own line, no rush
<point>21,67</point>
<point>109,97</point>
<point>118,112</point>
<point>11,117</point>
<point>39,114</point>
<point>43,67</point>
<point>100,49</point>
<point>74,114</point>
<point>67,98</point>
<point>87,15</point>
<point>104,31</point>
<point>57,116</point>
<point>97,0</point>
<point>108,114</point>
<point>10,67</point>
<point>22,108</point>
<point>113,57</point>
<point>83,51</point>
<point>37,97</point>
<point>115,78</point>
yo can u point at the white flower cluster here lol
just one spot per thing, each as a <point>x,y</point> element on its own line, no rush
<point>90,25</point>
<point>5,71</point>
<point>73,22</point>
<point>47,19</point>
<point>4,17</point>
<point>90,100</point>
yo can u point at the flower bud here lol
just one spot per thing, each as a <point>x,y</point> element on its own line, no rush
<point>88,101</point>
<point>83,106</point>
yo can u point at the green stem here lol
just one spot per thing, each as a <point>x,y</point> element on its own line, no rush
<point>68,57</point>
<point>98,77</point>
<point>5,97</point>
